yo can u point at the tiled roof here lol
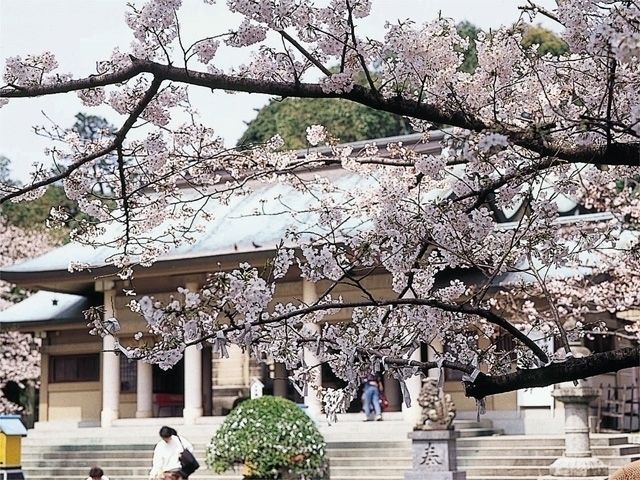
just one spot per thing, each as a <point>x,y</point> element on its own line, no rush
<point>45,306</point>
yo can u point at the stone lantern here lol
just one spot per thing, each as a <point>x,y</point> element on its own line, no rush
<point>577,461</point>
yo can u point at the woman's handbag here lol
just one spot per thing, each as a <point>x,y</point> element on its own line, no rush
<point>188,461</point>
<point>384,403</point>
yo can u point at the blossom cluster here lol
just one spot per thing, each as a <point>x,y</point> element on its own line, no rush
<point>29,71</point>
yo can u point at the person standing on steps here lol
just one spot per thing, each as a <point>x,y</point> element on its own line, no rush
<point>371,397</point>
<point>166,455</point>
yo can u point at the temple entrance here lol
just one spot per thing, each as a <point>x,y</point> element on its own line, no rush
<point>391,390</point>
<point>168,391</point>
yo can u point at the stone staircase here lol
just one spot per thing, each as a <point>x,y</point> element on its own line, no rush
<point>520,457</point>
<point>357,450</point>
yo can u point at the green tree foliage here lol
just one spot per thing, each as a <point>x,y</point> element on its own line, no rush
<point>469,31</point>
<point>93,128</point>
<point>5,171</point>
<point>272,438</point>
<point>548,41</point>
<point>32,215</point>
<point>347,121</point>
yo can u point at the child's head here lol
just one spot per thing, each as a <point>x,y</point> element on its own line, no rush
<point>173,476</point>
<point>96,473</point>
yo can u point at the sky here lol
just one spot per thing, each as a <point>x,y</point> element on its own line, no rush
<point>80,32</point>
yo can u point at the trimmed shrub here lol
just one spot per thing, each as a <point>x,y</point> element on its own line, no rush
<point>272,439</point>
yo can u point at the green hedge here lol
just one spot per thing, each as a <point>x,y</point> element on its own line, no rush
<point>272,438</point>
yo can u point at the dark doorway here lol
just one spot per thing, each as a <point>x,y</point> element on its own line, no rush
<point>168,391</point>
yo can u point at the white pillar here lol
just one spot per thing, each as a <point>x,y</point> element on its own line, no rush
<point>192,384</point>
<point>110,369</point>
<point>144,390</point>
<point>192,378</point>
<point>312,399</point>
<point>414,384</point>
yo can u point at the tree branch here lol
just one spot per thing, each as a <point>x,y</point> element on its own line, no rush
<point>117,143</point>
<point>613,154</point>
<point>304,52</point>
<point>483,313</point>
<point>571,369</point>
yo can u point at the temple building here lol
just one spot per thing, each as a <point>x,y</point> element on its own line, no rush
<point>83,381</point>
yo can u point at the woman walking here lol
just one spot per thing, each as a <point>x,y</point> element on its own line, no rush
<point>166,455</point>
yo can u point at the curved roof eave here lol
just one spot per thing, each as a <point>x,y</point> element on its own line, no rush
<point>44,308</point>
<point>81,281</point>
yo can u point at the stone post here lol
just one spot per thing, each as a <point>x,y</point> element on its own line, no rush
<point>434,456</point>
<point>433,441</point>
<point>577,462</point>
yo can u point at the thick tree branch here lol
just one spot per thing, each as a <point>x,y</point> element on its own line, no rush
<point>92,81</point>
<point>571,369</point>
<point>613,154</point>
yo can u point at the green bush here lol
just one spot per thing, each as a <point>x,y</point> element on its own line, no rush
<point>272,438</point>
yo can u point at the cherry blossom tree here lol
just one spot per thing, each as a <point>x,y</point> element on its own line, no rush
<point>524,131</point>
<point>20,357</point>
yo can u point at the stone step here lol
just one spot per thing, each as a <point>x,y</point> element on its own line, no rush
<point>86,446</point>
<point>82,463</point>
<point>110,455</point>
<point>116,473</point>
<point>502,477</point>
<point>480,432</point>
<point>368,452</point>
<point>357,476</point>
<point>504,461</point>
<point>83,474</point>
<point>616,461</point>
<point>399,462</point>
<point>368,445</point>
<point>500,451</point>
<point>512,471</point>
<point>538,441</point>
<point>69,472</point>
<point>353,456</point>
<point>367,471</point>
<point>612,461</point>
